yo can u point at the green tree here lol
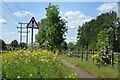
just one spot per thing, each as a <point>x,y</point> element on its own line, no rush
<point>64,45</point>
<point>70,46</point>
<point>41,36</point>
<point>87,33</point>
<point>23,45</point>
<point>14,43</point>
<point>53,28</point>
<point>2,45</point>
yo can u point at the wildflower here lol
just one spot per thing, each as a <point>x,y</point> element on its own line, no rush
<point>4,79</point>
<point>75,73</point>
<point>73,77</point>
<point>18,77</point>
<point>62,60</point>
<point>30,74</point>
<point>96,55</point>
<point>69,76</point>
<point>5,60</point>
<point>72,74</point>
<point>115,62</point>
<point>65,77</point>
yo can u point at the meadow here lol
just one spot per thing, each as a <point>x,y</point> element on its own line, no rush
<point>38,64</point>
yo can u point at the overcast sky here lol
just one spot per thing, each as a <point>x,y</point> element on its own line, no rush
<point>77,13</point>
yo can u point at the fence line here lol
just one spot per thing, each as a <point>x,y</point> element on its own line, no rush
<point>86,55</point>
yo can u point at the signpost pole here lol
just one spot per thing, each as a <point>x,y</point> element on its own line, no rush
<point>34,26</point>
<point>32,41</point>
<point>32,36</point>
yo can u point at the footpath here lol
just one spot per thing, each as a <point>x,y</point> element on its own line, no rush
<point>81,73</point>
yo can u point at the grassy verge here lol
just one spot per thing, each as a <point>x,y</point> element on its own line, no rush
<point>103,72</point>
<point>39,64</point>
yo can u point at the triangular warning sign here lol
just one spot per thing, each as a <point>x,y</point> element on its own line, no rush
<point>32,24</point>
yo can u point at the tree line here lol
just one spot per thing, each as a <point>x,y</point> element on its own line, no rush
<point>52,31</point>
<point>89,34</point>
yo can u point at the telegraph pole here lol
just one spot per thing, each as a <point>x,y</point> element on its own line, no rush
<point>21,27</point>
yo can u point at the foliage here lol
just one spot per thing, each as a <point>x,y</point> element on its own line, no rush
<point>52,29</point>
<point>38,64</point>
<point>23,45</point>
<point>87,33</point>
<point>2,45</point>
<point>105,48</point>
<point>40,37</point>
<point>64,46</point>
<point>14,43</point>
<point>70,46</point>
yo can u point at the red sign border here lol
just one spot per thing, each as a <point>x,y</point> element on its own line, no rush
<point>35,23</point>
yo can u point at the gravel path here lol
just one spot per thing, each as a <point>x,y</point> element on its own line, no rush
<point>80,73</point>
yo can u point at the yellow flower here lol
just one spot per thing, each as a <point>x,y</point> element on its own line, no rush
<point>96,55</point>
<point>75,73</point>
<point>4,79</point>
<point>5,60</point>
<point>62,60</point>
<point>73,77</point>
<point>18,77</point>
<point>65,77</point>
<point>72,74</point>
<point>69,76</point>
<point>30,74</point>
<point>115,62</point>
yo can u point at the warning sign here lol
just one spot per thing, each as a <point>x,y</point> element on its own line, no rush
<point>32,24</point>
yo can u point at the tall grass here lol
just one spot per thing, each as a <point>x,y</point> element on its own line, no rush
<point>38,64</point>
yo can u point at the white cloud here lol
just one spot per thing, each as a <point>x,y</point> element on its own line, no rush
<point>108,7</point>
<point>3,21</point>
<point>23,13</point>
<point>75,18</point>
<point>71,39</point>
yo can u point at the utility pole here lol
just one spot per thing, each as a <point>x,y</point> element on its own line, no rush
<point>21,27</point>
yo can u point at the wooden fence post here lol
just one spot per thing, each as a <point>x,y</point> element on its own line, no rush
<point>92,55</point>
<point>112,56</point>
<point>86,55</point>
<point>82,56</point>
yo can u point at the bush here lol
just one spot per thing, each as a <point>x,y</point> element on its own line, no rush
<point>104,48</point>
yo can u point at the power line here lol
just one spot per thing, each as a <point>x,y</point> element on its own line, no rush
<point>8,12</point>
<point>11,11</point>
<point>19,8</point>
<point>10,23</point>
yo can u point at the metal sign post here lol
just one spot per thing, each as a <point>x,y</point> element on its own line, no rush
<point>32,24</point>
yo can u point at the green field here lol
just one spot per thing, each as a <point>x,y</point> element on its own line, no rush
<point>38,64</point>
